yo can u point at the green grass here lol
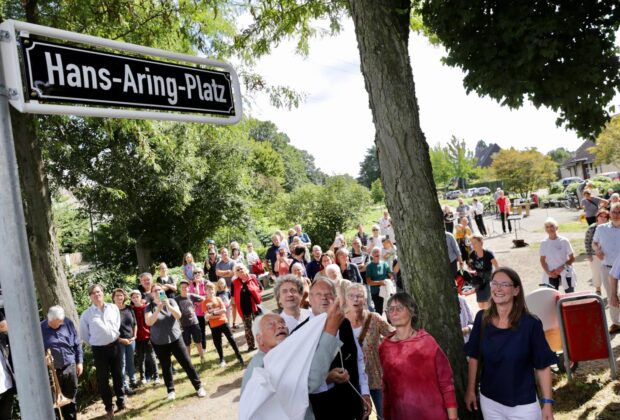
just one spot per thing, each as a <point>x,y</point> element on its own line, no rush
<point>372,215</point>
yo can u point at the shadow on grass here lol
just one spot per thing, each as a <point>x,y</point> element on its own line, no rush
<point>575,394</point>
<point>610,412</point>
<point>226,388</point>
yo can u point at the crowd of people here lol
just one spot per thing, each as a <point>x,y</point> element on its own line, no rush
<point>384,361</point>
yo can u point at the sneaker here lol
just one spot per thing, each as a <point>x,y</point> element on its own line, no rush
<point>222,363</point>
<point>157,381</point>
<point>129,391</point>
<point>171,396</point>
<point>201,392</point>
<point>109,414</point>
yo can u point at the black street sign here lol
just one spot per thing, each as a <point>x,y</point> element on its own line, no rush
<point>64,73</point>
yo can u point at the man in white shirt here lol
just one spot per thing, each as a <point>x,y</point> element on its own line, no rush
<point>606,243</point>
<point>556,258</point>
<point>99,327</point>
<point>478,210</point>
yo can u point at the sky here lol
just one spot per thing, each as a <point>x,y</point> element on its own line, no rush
<point>335,125</point>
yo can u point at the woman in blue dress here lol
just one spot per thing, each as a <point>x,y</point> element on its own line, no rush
<point>509,343</point>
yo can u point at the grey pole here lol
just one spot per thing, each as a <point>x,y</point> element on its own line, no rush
<point>31,374</point>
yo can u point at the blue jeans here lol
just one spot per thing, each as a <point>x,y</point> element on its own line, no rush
<point>377,400</point>
<point>127,365</point>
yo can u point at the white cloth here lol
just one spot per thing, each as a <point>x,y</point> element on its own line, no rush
<point>568,272</point>
<point>375,241</point>
<point>6,382</point>
<point>387,290</point>
<point>291,322</point>
<point>252,258</point>
<point>274,392</point>
<point>492,410</point>
<point>608,239</point>
<point>615,269</point>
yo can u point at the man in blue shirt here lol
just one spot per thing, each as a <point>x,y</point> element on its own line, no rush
<point>61,338</point>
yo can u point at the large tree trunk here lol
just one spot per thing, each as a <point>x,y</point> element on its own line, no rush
<point>47,269</point>
<point>143,254</point>
<point>382,31</point>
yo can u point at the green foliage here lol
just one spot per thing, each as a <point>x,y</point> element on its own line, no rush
<point>523,171</point>
<point>557,54</point>
<point>376,192</point>
<point>369,168</point>
<point>607,149</point>
<point>324,210</point>
<point>72,224</point>
<point>559,155</point>
<point>555,188</point>
<point>462,160</point>
<point>443,171</point>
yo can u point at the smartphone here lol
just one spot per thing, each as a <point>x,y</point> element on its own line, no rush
<point>162,295</point>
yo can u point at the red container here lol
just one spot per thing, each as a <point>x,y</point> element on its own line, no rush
<point>584,329</point>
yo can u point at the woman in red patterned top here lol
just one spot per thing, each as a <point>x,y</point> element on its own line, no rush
<point>417,377</point>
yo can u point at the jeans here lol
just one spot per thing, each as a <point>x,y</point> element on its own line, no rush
<point>7,399</point>
<point>504,217</point>
<point>108,361</point>
<point>145,360</point>
<point>177,348</point>
<point>377,400</point>
<point>126,352</point>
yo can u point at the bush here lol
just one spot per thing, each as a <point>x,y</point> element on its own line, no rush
<point>109,279</point>
<point>376,192</point>
<point>555,188</point>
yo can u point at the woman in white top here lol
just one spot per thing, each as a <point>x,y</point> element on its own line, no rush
<point>288,291</point>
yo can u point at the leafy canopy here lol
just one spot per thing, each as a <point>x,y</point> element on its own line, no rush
<point>559,54</point>
<point>607,149</point>
<point>523,171</point>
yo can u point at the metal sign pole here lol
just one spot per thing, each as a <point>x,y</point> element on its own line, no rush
<point>31,375</point>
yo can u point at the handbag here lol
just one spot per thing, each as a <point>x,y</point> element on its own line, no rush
<point>258,268</point>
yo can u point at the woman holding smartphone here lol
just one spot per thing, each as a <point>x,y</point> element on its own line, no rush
<point>163,315</point>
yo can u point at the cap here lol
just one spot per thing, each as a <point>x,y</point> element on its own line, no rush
<point>134,292</point>
<point>184,281</point>
<point>211,242</point>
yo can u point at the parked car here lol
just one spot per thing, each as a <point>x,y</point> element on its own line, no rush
<point>615,176</point>
<point>570,180</point>
<point>451,195</point>
<point>484,191</point>
<point>471,192</point>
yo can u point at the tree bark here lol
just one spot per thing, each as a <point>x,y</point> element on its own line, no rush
<point>143,254</point>
<point>382,31</point>
<point>47,269</point>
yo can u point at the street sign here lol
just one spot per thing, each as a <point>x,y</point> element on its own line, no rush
<point>91,76</point>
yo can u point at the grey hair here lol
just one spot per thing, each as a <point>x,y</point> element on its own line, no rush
<point>322,279</point>
<point>55,312</point>
<point>256,324</point>
<point>242,266</point>
<point>288,278</point>
<point>360,287</point>
<point>146,274</point>
<point>335,268</point>
<point>551,221</point>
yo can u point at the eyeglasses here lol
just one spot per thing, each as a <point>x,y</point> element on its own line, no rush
<point>499,285</point>
<point>291,291</point>
<point>615,212</point>
<point>395,308</point>
<point>354,297</point>
<point>323,295</point>
<point>375,230</point>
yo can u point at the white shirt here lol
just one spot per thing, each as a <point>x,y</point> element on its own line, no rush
<point>375,241</point>
<point>556,251</point>
<point>361,369</point>
<point>478,208</point>
<point>291,322</point>
<point>252,257</point>
<point>100,328</point>
<point>608,239</point>
<point>384,225</point>
<point>465,316</point>
<point>615,270</point>
<point>6,382</point>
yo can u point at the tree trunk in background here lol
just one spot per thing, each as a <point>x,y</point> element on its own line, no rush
<point>143,254</point>
<point>382,31</point>
<point>47,269</point>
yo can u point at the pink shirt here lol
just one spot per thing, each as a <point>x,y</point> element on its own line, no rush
<point>417,379</point>
<point>201,292</point>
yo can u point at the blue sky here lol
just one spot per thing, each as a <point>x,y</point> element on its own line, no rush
<point>335,123</point>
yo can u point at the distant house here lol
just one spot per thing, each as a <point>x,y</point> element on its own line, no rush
<point>582,164</point>
<point>485,156</point>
